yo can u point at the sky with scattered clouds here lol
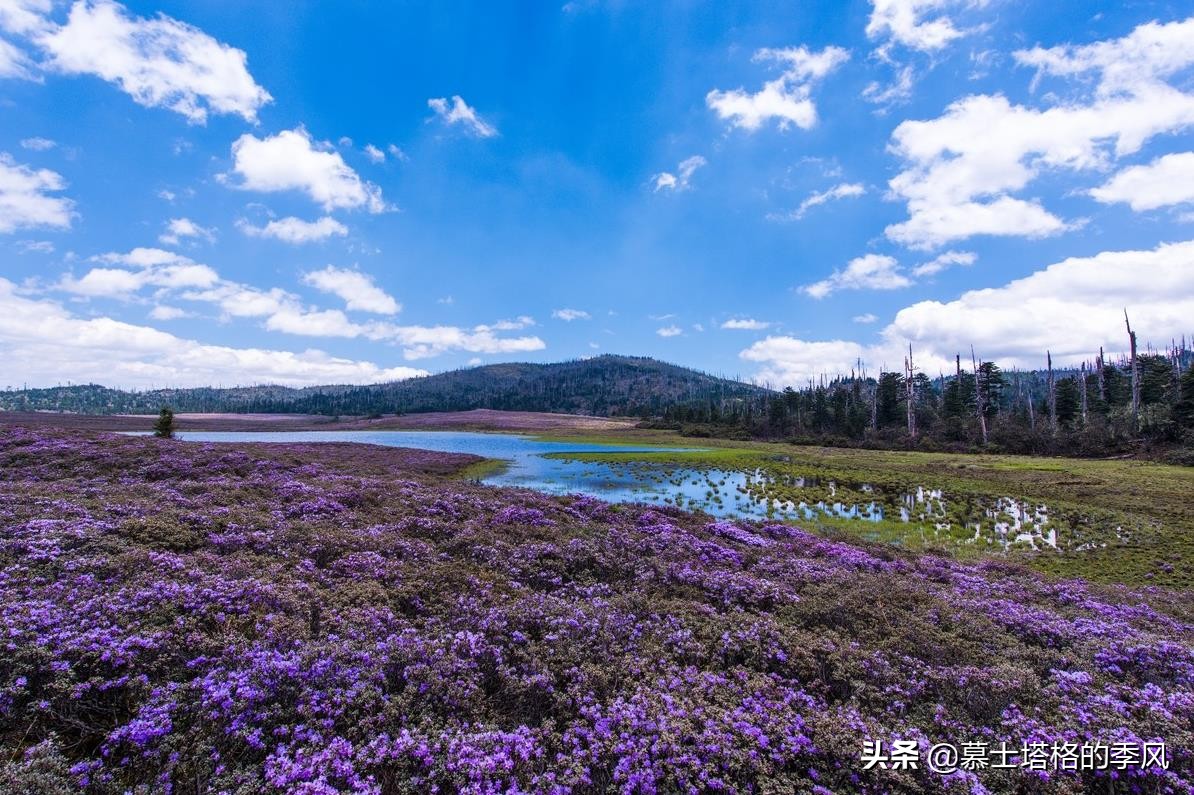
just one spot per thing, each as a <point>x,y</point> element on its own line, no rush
<point>301,193</point>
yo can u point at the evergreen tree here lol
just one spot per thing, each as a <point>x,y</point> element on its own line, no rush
<point>1183,410</point>
<point>164,427</point>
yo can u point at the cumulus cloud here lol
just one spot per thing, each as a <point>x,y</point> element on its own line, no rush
<point>943,261</point>
<point>357,289</point>
<point>179,228</point>
<point>458,112</point>
<point>787,98</point>
<point>962,168</point>
<point>279,310</point>
<point>165,312</point>
<point>570,314</point>
<point>43,343</point>
<point>291,160</point>
<point>151,268</point>
<point>868,272</point>
<point>1166,181</point>
<point>669,331</point>
<point>865,319</point>
<point>26,198</point>
<point>745,324</point>
<point>295,230</point>
<point>917,24</point>
<point>159,62</point>
<point>374,154</point>
<point>792,362</point>
<point>1070,308</point>
<point>665,180</point>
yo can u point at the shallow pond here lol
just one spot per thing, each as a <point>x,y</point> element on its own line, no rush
<point>545,466</point>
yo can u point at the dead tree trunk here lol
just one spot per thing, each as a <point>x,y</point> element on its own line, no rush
<point>910,390</point>
<point>978,398</point>
<point>1102,384</point>
<point>1026,400</point>
<point>1051,385</point>
<point>1082,388</point>
<point>875,402</point>
<point>1135,374</point>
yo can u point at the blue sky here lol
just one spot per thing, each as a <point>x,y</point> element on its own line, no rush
<point>303,193</point>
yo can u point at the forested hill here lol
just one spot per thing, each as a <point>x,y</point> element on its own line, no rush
<point>604,386</point>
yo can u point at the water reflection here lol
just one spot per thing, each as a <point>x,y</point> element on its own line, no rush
<point>995,521</point>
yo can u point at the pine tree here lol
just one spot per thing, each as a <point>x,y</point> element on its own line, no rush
<point>164,427</point>
<point>1183,410</point>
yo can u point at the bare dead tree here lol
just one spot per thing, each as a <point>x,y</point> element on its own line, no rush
<point>1082,389</point>
<point>910,390</point>
<point>1102,384</point>
<point>1135,373</point>
<point>875,403</point>
<point>979,403</point>
<point>1051,385</point>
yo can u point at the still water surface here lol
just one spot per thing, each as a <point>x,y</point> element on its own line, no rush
<point>723,493</point>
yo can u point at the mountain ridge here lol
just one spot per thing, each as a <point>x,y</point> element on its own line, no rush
<point>606,385</point>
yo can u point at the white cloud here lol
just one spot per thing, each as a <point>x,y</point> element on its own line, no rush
<point>917,24</point>
<point>24,17</point>
<point>14,62</point>
<point>570,314</point>
<point>520,322</point>
<point>396,152</point>
<point>865,319</point>
<point>153,268</point>
<point>459,112</point>
<point>36,246</point>
<point>179,228</point>
<point>944,260</point>
<point>786,98</point>
<point>25,199</point>
<point>746,324</point>
<point>1070,308</point>
<point>790,361</point>
<point>669,331</point>
<point>164,312</point>
<point>844,190</point>
<point>295,230</point>
<point>291,160</point>
<point>1165,181</point>
<point>313,323</point>
<point>242,300</point>
<point>357,289</point>
<point>422,342</point>
<point>37,144</point>
<point>159,62</point>
<point>680,180</point>
<point>44,344</point>
<point>868,272</point>
<point>900,90</point>
<point>374,154</point>
<point>962,167</point>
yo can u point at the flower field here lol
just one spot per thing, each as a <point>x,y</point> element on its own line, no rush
<point>180,617</point>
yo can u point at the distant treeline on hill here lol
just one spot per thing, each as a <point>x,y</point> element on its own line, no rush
<point>603,386</point>
<point>1101,407</point>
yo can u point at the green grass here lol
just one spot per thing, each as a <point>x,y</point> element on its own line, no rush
<point>1153,503</point>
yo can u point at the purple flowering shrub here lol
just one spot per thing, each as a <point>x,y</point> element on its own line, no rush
<point>178,617</point>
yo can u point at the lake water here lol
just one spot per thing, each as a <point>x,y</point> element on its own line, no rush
<point>722,493</point>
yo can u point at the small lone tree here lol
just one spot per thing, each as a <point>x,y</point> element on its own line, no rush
<point>164,427</point>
